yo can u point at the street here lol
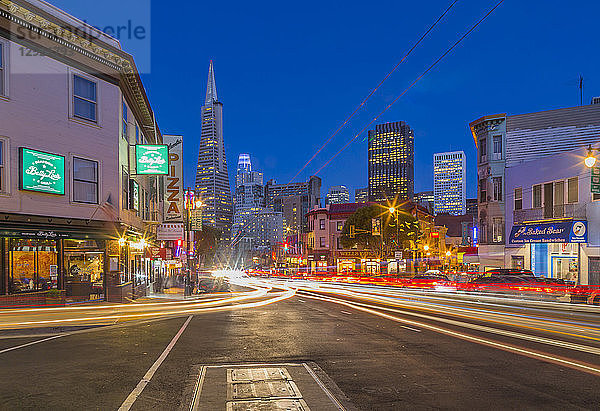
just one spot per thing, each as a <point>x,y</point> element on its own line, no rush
<point>366,361</point>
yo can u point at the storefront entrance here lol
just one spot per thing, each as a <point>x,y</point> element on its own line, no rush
<point>32,265</point>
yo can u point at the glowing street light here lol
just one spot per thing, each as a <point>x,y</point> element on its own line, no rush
<point>392,210</point>
<point>426,247</point>
<point>448,253</point>
<point>590,160</point>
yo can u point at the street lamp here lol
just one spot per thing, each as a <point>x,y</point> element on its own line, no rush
<point>590,160</point>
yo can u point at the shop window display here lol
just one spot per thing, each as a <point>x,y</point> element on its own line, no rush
<point>33,265</point>
<point>84,269</point>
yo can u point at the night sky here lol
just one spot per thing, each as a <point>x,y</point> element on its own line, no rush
<point>289,73</point>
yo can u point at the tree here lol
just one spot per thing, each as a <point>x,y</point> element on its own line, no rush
<point>206,242</point>
<point>401,236</point>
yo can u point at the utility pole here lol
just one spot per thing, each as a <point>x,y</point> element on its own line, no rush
<point>580,90</point>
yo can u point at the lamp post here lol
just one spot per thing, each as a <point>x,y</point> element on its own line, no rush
<point>190,203</point>
<point>394,212</point>
<point>590,160</point>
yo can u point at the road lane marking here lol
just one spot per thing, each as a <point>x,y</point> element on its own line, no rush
<point>534,338</point>
<point>410,328</point>
<point>32,343</point>
<point>588,368</point>
<point>150,373</point>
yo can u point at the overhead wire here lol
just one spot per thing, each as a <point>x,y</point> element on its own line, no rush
<point>362,103</point>
<point>431,67</point>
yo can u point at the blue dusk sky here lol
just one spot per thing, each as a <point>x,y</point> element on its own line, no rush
<point>289,73</point>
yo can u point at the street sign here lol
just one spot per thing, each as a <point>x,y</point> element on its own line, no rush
<point>152,159</point>
<point>375,226</point>
<point>595,180</point>
<point>43,172</point>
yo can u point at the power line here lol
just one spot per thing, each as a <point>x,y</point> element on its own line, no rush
<point>435,63</point>
<point>376,88</point>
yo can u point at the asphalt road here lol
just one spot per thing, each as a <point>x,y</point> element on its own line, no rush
<point>378,363</point>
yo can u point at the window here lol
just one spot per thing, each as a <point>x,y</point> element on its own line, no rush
<point>84,98</point>
<point>482,150</point>
<point>2,71</point>
<point>125,184</point>
<point>518,198</point>
<point>497,181</point>
<point>573,190</point>
<point>322,224</point>
<point>340,225</point>
<point>137,134</point>
<point>497,230</point>
<point>482,190</point>
<point>497,144</point>
<point>2,171</point>
<point>537,196</point>
<point>124,118</point>
<point>322,241</point>
<point>85,181</point>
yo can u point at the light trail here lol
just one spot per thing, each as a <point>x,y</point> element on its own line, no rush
<point>588,368</point>
<point>431,67</point>
<point>362,103</point>
<point>139,311</point>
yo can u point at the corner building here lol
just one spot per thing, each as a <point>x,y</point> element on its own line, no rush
<point>391,162</point>
<point>75,217</point>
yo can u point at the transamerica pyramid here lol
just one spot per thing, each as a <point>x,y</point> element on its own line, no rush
<point>212,178</point>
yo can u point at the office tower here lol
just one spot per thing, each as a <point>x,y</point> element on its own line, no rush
<point>425,199</point>
<point>212,179</point>
<point>294,200</point>
<point>249,196</point>
<point>361,195</point>
<point>449,183</point>
<point>338,195</point>
<point>391,162</point>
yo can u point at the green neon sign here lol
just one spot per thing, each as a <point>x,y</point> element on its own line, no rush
<point>42,172</point>
<point>152,159</point>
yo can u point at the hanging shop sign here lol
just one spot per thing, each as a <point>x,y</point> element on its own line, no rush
<point>555,232</point>
<point>42,172</point>
<point>595,187</point>
<point>375,226</point>
<point>173,182</point>
<point>196,219</point>
<point>134,196</point>
<point>152,159</point>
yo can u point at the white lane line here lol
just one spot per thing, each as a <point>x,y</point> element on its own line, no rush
<point>410,328</point>
<point>302,301</point>
<point>32,343</point>
<point>345,312</point>
<point>484,341</point>
<point>150,373</point>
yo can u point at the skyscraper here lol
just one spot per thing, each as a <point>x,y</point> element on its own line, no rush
<point>449,182</point>
<point>361,195</point>
<point>338,195</point>
<point>212,179</point>
<point>249,195</point>
<point>391,162</point>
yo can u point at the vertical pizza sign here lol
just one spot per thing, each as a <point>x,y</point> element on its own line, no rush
<point>173,181</point>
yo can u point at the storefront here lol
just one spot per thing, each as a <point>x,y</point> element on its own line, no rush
<point>549,249</point>
<point>39,260</point>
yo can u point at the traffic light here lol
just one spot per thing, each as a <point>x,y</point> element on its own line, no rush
<point>179,242</point>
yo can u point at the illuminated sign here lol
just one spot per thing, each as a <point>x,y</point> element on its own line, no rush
<point>375,226</point>
<point>557,232</point>
<point>152,159</point>
<point>42,172</point>
<point>435,234</point>
<point>173,182</point>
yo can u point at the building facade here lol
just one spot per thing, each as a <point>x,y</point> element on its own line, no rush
<point>504,142</point>
<point>391,162</point>
<point>338,195</point>
<point>450,182</point>
<point>212,178</point>
<point>76,215</point>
